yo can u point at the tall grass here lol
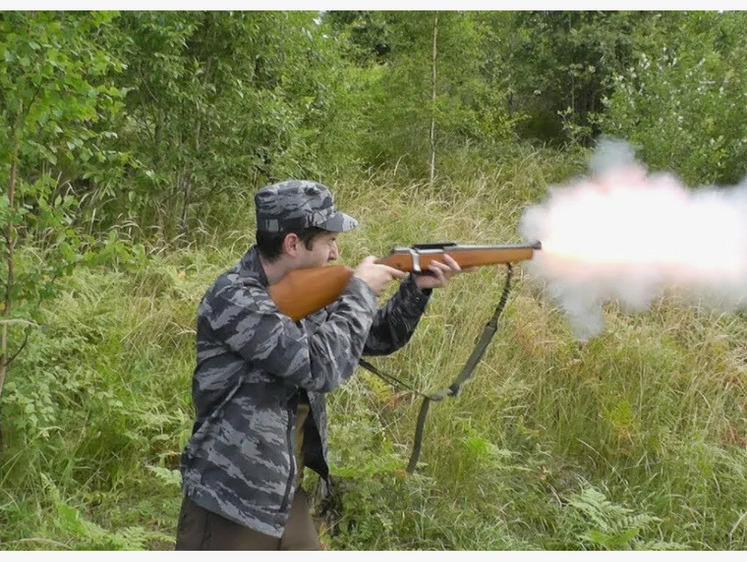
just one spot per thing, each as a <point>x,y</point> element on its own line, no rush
<point>636,440</point>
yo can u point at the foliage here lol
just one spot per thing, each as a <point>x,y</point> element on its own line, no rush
<point>138,140</point>
<point>195,110</point>
<point>469,100</point>
<point>52,111</point>
<point>608,526</point>
<point>635,441</point>
<point>92,435</point>
<point>562,66</point>
<point>220,101</point>
<point>684,104</point>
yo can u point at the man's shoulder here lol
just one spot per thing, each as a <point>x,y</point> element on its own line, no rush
<point>232,287</point>
<point>233,279</point>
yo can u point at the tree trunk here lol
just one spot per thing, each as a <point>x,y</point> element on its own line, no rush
<point>433,98</point>
<point>187,182</point>
<point>10,236</point>
<point>186,185</point>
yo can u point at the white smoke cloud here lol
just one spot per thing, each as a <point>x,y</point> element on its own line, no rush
<point>628,236</point>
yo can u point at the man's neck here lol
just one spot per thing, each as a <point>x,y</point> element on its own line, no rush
<point>274,270</point>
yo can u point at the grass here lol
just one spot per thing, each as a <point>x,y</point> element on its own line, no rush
<point>636,440</point>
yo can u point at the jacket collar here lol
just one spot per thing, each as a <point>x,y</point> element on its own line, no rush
<point>250,266</point>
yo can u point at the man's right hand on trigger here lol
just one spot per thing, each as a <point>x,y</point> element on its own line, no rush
<point>377,276</point>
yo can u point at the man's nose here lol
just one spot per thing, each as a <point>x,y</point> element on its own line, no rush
<point>334,253</point>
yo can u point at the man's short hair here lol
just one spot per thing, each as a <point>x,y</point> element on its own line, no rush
<point>270,244</point>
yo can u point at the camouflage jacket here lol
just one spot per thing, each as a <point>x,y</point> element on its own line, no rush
<point>253,363</point>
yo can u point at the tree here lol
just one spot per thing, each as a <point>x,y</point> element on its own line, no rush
<point>432,138</point>
<point>51,106</point>
<point>683,102</point>
<point>219,103</point>
<point>562,65</point>
<point>400,110</point>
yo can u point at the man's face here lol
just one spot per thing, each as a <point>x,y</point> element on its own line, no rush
<point>323,250</point>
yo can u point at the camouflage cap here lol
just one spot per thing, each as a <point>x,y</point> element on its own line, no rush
<point>299,204</point>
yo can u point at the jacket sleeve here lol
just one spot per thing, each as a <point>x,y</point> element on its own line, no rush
<point>252,326</point>
<point>395,322</point>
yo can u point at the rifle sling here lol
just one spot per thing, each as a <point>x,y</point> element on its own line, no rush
<point>487,334</point>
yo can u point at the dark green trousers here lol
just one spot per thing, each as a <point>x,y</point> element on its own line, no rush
<point>200,529</point>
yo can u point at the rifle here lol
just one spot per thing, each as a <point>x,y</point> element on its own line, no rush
<point>303,291</point>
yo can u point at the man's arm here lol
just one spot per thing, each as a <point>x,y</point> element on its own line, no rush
<point>252,326</point>
<point>396,321</point>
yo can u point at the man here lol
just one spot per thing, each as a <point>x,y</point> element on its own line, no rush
<point>261,378</point>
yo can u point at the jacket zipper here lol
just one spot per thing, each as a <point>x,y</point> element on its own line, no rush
<point>292,456</point>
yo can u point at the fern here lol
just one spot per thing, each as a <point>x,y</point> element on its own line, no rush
<point>608,526</point>
<point>91,536</point>
<point>169,477</point>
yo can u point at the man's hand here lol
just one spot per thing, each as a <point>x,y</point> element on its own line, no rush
<point>377,276</point>
<point>439,273</point>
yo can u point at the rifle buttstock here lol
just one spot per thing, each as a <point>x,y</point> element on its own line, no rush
<point>303,291</point>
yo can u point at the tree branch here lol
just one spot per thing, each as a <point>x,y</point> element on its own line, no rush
<point>19,350</point>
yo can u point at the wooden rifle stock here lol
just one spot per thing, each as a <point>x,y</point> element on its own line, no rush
<point>303,291</point>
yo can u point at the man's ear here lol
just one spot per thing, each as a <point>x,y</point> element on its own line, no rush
<point>290,244</point>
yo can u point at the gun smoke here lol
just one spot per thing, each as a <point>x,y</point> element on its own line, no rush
<point>629,236</point>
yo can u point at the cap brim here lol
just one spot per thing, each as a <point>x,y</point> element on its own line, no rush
<point>339,222</point>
